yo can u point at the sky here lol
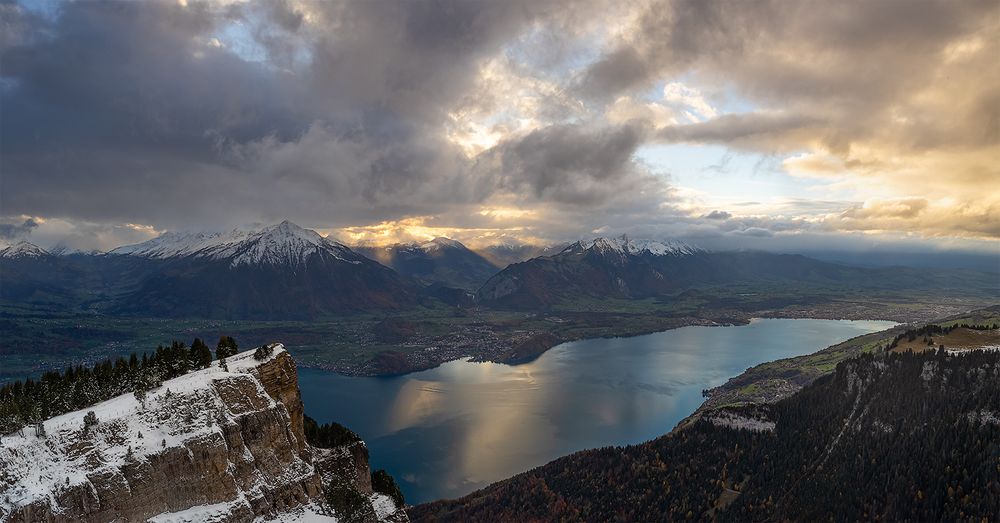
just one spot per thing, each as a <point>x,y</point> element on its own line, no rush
<point>772,125</point>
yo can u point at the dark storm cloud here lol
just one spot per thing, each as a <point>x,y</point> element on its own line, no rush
<point>17,231</point>
<point>673,35</point>
<point>116,110</point>
<point>141,112</point>
<point>571,164</point>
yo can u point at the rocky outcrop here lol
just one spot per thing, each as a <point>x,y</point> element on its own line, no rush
<point>212,445</point>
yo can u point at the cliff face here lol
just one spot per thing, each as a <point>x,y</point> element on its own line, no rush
<point>208,446</point>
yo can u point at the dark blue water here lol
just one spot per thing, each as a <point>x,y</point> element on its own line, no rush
<point>447,431</point>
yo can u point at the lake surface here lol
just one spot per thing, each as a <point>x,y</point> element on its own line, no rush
<point>445,432</point>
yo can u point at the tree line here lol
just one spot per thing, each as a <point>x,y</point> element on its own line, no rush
<point>32,401</point>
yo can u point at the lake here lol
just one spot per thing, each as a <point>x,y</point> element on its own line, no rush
<point>445,432</point>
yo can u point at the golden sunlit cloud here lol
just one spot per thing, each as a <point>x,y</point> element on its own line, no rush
<point>507,212</point>
<point>418,229</point>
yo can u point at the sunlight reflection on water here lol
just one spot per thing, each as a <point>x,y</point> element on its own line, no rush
<point>447,431</point>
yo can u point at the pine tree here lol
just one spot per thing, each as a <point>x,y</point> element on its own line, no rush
<point>263,352</point>
<point>226,347</point>
<point>140,394</point>
<point>201,355</point>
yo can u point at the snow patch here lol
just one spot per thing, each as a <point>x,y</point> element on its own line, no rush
<point>737,422</point>
<point>308,514</point>
<point>200,513</point>
<point>966,350</point>
<point>384,505</point>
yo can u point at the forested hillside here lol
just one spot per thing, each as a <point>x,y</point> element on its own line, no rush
<point>890,436</point>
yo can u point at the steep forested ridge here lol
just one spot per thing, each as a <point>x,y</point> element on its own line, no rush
<point>887,437</point>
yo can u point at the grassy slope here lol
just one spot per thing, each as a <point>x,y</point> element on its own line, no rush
<point>960,338</point>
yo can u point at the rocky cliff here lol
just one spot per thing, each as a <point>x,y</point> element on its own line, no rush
<point>212,445</point>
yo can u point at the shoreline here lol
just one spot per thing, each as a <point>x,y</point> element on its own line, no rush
<point>538,343</point>
<point>403,343</point>
<point>775,380</point>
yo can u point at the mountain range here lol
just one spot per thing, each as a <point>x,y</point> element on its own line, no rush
<point>281,271</point>
<point>284,271</point>
<point>624,268</point>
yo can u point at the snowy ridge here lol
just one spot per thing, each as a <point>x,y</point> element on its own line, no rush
<point>436,244</point>
<point>43,466</point>
<point>23,249</point>
<point>284,243</point>
<point>623,245</point>
<point>64,250</point>
<point>190,414</point>
<point>176,244</point>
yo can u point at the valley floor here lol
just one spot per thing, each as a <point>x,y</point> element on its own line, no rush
<point>373,345</point>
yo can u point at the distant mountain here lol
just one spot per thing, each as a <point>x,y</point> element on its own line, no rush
<point>624,268</point>
<point>441,260</point>
<point>281,271</point>
<point>31,275</point>
<point>23,249</point>
<point>512,251</point>
<point>285,244</point>
<point>603,267</point>
<point>178,244</point>
<point>65,250</point>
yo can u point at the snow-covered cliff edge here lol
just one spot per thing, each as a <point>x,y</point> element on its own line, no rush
<point>212,445</point>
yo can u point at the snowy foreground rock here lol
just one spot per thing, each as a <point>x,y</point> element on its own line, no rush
<point>212,445</point>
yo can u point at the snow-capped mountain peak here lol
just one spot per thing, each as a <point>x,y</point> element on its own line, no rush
<point>283,243</point>
<point>441,243</point>
<point>23,249</point>
<point>623,245</point>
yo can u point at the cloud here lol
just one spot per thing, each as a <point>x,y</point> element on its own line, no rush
<point>696,108</point>
<point>906,208</point>
<point>570,164</point>
<point>11,232</point>
<point>360,115</point>
<point>771,131</point>
<point>717,215</point>
<point>860,99</point>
